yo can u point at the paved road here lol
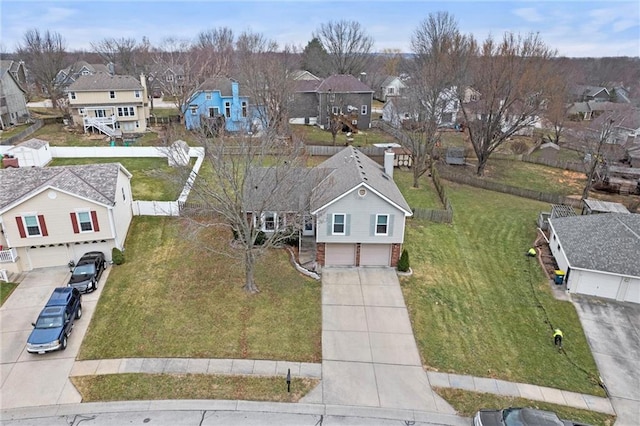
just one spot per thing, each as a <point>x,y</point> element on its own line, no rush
<point>30,379</point>
<point>613,332</point>
<point>369,355</point>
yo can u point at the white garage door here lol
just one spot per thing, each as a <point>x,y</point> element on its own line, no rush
<point>600,285</point>
<point>44,257</point>
<point>340,255</point>
<point>375,254</point>
<point>80,249</point>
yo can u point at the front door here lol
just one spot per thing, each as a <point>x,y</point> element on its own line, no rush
<point>308,227</point>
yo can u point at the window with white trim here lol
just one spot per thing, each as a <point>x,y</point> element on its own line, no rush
<point>269,221</point>
<point>32,226</point>
<point>207,96</point>
<point>169,77</point>
<point>382,224</point>
<point>72,95</point>
<point>338,224</point>
<point>138,93</point>
<point>112,94</point>
<point>390,90</point>
<point>227,109</point>
<point>126,112</point>
<point>335,110</point>
<point>244,108</point>
<point>363,110</point>
<point>194,110</point>
<point>332,97</point>
<point>84,221</point>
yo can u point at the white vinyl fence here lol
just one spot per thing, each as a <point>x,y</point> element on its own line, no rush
<point>155,208</point>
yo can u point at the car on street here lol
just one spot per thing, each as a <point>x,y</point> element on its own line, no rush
<point>87,272</point>
<point>515,416</point>
<point>55,322</point>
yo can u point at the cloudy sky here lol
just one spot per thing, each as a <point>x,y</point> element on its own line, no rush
<point>576,28</point>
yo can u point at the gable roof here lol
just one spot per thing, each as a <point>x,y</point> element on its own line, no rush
<point>390,79</point>
<point>585,90</point>
<point>219,84</point>
<point>304,75</point>
<point>32,143</point>
<point>104,81</point>
<point>343,83</point>
<point>350,169</point>
<point>6,66</point>
<point>95,182</point>
<point>608,242</point>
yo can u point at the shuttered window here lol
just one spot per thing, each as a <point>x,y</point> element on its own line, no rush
<point>31,225</point>
<point>84,221</point>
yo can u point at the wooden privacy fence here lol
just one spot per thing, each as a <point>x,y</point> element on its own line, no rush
<point>507,189</point>
<point>436,215</point>
<point>575,166</point>
<point>328,151</point>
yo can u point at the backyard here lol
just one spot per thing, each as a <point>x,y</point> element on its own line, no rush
<point>153,179</point>
<point>479,306</point>
<point>313,135</point>
<point>175,298</point>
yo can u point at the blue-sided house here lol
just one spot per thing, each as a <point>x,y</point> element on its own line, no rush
<point>218,102</point>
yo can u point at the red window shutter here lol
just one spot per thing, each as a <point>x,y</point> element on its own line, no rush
<point>21,227</point>
<point>94,220</point>
<point>74,223</point>
<point>43,226</point>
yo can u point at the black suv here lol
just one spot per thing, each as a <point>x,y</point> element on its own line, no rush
<point>87,272</point>
<point>55,322</point>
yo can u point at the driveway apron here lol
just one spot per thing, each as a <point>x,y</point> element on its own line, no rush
<point>31,379</point>
<point>370,357</point>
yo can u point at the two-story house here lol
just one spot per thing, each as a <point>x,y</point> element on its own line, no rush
<point>13,104</point>
<point>340,95</point>
<point>402,108</point>
<point>111,104</point>
<point>392,86</point>
<point>218,102</point>
<point>70,74</point>
<point>52,215</point>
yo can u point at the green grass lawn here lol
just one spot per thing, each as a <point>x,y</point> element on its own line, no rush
<point>424,197</point>
<point>468,403</point>
<point>5,290</point>
<point>175,298</point>
<point>14,130</point>
<point>165,112</point>
<point>131,387</point>
<point>313,135</point>
<point>58,135</point>
<point>473,297</point>
<point>153,179</point>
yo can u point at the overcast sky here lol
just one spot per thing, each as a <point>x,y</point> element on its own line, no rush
<point>576,28</point>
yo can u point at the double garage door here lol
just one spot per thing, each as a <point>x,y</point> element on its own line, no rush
<point>609,286</point>
<point>60,255</point>
<point>345,255</point>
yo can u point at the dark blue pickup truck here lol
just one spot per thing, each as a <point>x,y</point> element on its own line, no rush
<point>55,322</point>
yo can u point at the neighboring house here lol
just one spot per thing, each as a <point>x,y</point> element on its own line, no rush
<point>400,109</point>
<point>315,102</point>
<point>13,104</point>
<point>52,215</point>
<point>304,75</point>
<point>111,104</point>
<point>32,153</point>
<point>359,212</point>
<point>584,93</point>
<point>218,101</point>
<point>390,87</point>
<point>589,110</point>
<point>164,79</point>
<point>348,204</point>
<point>599,254</point>
<point>626,125</point>
<point>70,74</point>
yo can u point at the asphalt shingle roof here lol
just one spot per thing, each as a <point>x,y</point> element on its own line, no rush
<point>96,182</point>
<point>104,81</point>
<point>343,83</point>
<point>221,84</point>
<point>33,143</point>
<point>351,168</point>
<point>608,242</point>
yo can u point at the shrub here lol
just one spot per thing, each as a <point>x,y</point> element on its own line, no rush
<point>403,263</point>
<point>117,256</point>
<point>519,147</point>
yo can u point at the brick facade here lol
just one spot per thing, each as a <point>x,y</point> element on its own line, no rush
<point>396,250</point>
<point>320,248</point>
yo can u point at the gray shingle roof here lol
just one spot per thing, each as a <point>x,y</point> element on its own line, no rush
<point>351,168</point>
<point>221,84</point>
<point>104,81</point>
<point>343,83</point>
<point>33,143</point>
<point>608,242</point>
<point>96,182</point>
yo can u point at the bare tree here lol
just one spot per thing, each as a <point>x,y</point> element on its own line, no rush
<point>214,49</point>
<point>431,94</point>
<point>119,51</point>
<point>258,188</point>
<point>595,139</point>
<point>557,105</point>
<point>513,78</point>
<point>45,55</point>
<point>348,44</point>
<point>266,76</point>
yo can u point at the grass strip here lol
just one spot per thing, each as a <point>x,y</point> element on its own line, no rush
<point>5,291</point>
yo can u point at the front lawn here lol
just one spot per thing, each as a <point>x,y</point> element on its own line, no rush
<point>131,387</point>
<point>153,179</point>
<point>175,298</point>
<point>468,403</point>
<point>479,306</point>
<point>5,291</point>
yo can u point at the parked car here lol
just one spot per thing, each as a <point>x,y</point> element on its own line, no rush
<point>54,324</point>
<point>87,272</point>
<point>514,416</point>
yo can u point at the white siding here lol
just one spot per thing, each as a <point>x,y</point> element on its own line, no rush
<point>122,212</point>
<point>594,284</point>
<point>631,290</point>
<point>375,255</point>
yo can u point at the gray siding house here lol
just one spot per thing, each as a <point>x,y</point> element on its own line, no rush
<point>13,105</point>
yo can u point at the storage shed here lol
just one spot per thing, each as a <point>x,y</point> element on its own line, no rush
<point>598,206</point>
<point>32,153</point>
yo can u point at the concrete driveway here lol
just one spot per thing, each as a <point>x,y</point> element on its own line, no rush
<point>369,354</point>
<point>30,379</point>
<point>613,332</point>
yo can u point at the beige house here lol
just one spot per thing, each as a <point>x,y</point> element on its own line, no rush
<point>115,105</point>
<point>50,216</point>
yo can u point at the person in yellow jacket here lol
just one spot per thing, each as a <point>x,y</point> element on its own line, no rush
<point>557,337</point>
<point>532,252</point>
